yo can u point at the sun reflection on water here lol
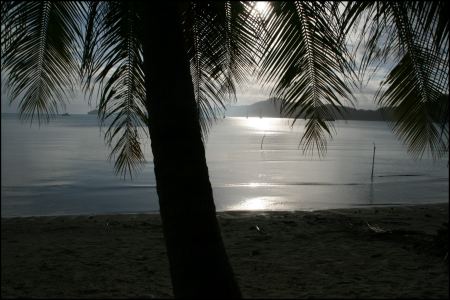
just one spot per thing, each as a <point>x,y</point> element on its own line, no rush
<point>262,124</point>
<point>258,203</point>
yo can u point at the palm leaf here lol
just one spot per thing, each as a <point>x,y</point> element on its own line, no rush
<point>306,57</point>
<point>415,34</point>
<point>38,47</point>
<point>222,45</point>
<point>113,62</point>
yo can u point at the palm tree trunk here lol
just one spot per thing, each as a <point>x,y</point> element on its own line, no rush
<point>199,265</point>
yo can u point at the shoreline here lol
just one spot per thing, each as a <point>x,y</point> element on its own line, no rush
<point>330,253</point>
<point>156,212</point>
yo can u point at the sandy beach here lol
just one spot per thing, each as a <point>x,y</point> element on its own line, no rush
<point>389,252</point>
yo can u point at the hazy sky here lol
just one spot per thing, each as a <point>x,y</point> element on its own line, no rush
<point>248,94</point>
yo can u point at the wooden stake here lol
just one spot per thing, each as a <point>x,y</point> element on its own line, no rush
<point>373,161</point>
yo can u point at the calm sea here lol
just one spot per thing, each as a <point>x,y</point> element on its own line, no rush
<point>63,168</point>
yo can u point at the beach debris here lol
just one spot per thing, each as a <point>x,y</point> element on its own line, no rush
<point>376,229</point>
<point>107,227</point>
<point>258,229</point>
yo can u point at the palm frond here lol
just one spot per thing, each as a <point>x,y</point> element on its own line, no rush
<point>113,60</point>
<point>307,58</point>
<point>222,45</point>
<point>416,123</point>
<point>38,48</point>
<point>12,22</point>
<point>415,36</point>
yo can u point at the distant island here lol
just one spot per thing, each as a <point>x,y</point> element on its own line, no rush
<point>271,108</point>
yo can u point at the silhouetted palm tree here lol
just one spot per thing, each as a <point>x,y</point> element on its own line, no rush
<point>171,66</point>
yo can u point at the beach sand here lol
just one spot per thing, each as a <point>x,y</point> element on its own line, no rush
<point>321,254</point>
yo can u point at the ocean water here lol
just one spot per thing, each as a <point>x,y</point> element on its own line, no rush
<point>63,168</point>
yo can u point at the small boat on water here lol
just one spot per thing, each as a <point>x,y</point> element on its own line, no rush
<point>65,114</point>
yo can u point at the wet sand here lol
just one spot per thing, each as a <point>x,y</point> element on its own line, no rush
<point>390,252</point>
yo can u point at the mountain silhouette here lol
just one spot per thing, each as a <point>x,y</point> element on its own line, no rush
<point>272,108</point>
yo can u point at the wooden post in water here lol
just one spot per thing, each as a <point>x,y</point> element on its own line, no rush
<point>373,161</point>
<point>262,140</point>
